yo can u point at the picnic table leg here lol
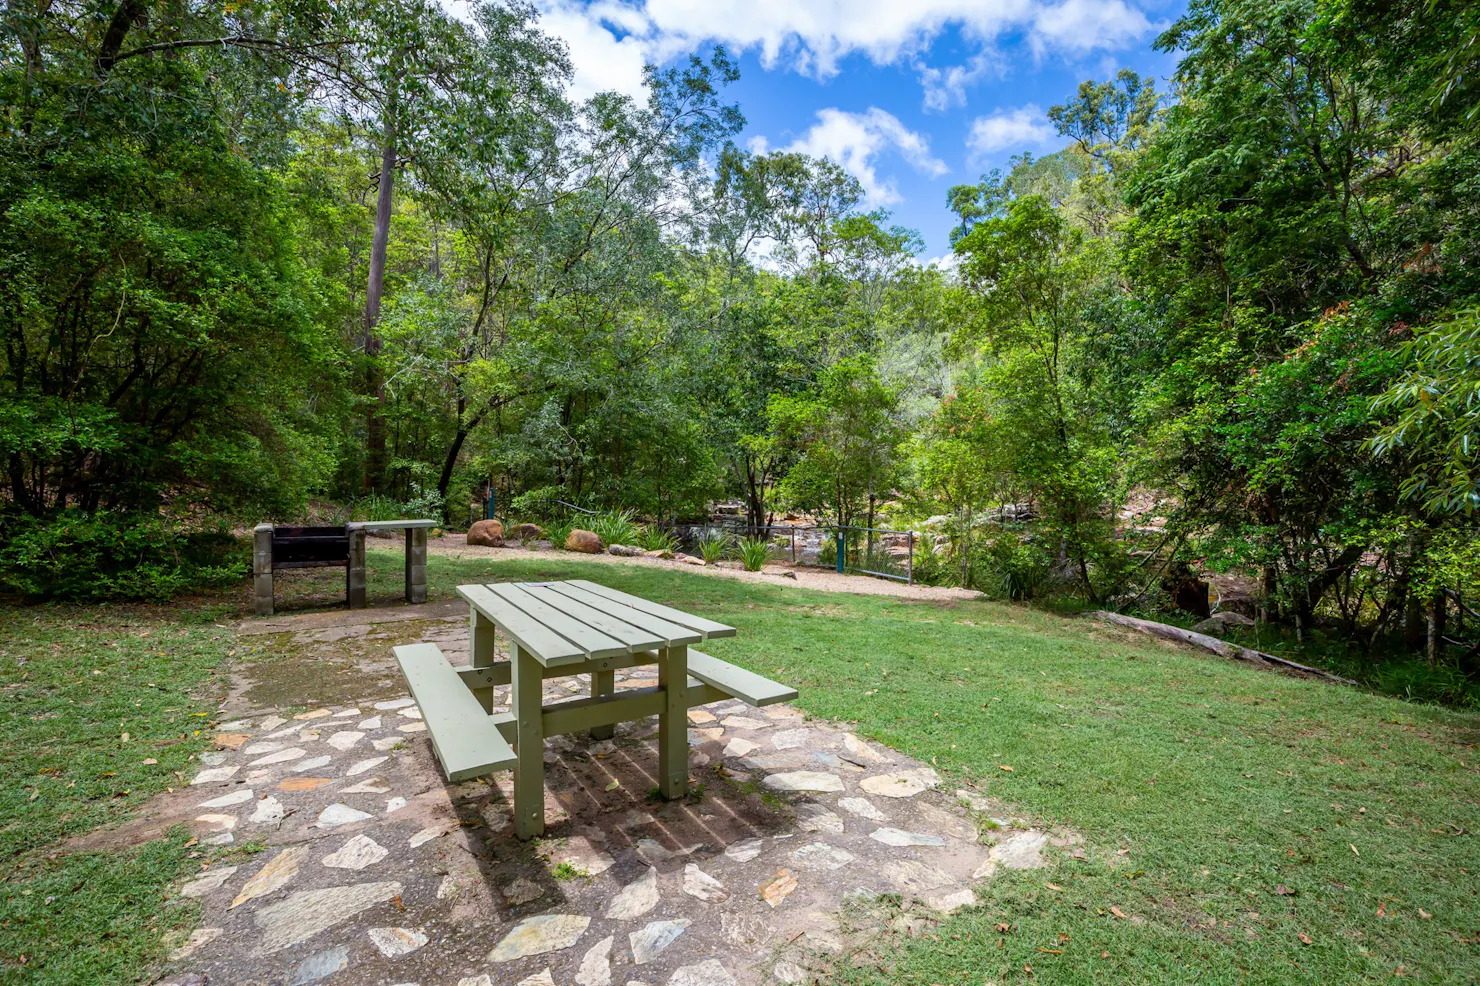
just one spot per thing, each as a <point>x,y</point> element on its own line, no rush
<point>603,683</point>
<point>673,722</point>
<point>481,635</point>
<point>416,564</point>
<point>527,702</point>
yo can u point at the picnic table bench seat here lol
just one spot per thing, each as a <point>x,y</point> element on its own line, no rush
<point>470,742</point>
<point>467,740</point>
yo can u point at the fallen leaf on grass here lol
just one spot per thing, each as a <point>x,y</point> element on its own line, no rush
<point>1050,951</point>
<point>1117,911</point>
<point>1004,767</point>
<point>1283,890</point>
<point>1354,849</point>
<point>1424,914</point>
<point>1002,927</point>
<point>1304,937</point>
<point>1053,886</point>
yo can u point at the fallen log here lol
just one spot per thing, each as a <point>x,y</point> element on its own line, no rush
<point>1220,647</point>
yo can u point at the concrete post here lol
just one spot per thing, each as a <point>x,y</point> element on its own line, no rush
<point>356,575</point>
<point>416,564</point>
<point>262,569</point>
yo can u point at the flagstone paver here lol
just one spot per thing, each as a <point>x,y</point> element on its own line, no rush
<point>395,942</point>
<point>540,934</point>
<point>740,886</point>
<point>208,881</point>
<point>303,915</point>
<point>636,898</point>
<point>650,941</point>
<point>356,854</point>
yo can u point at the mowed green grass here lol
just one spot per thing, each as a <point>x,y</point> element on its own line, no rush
<point>1249,827</point>
<point>73,682</point>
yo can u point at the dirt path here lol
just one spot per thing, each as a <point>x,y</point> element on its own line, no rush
<point>454,546</point>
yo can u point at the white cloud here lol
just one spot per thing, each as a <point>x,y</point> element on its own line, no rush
<point>946,87</point>
<point>1025,126</point>
<point>610,39</point>
<point>855,140</point>
<point>602,61</point>
<point>1081,26</point>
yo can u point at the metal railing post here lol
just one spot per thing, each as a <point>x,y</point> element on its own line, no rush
<point>910,563</point>
<point>842,546</point>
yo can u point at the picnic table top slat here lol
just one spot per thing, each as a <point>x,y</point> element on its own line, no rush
<point>634,635</point>
<point>665,631</point>
<point>708,628</point>
<point>522,628</point>
<point>592,642</point>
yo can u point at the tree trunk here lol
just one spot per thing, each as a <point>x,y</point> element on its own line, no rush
<point>1220,647</point>
<point>375,459</point>
<point>1438,609</point>
<point>119,24</point>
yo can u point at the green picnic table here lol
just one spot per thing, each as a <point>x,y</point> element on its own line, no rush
<point>557,629</point>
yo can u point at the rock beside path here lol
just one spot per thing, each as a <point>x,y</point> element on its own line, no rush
<point>486,534</point>
<point>586,542</point>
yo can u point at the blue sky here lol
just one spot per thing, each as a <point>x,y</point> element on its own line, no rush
<point>912,96</point>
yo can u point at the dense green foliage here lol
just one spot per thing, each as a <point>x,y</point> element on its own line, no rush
<point>1245,306</point>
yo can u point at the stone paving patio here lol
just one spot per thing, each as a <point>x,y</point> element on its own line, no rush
<point>801,841</point>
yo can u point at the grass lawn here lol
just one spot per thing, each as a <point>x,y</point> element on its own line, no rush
<point>1249,827</point>
<point>88,697</point>
<point>1240,826</point>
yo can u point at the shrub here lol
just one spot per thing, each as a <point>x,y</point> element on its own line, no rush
<point>613,527</point>
<point>1013,567</point>
<point>930,567</point>
<point>557,531</point>
<point>539,503</point>
<point>713,544</point>
<point>827,552</point>
<point>754,552</point>
<point>107,555</point>
<point>658,539</point>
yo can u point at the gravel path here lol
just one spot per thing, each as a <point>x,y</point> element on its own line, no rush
<point>454,546</point>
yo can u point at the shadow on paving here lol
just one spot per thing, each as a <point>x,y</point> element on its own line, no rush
<point>799,844</point>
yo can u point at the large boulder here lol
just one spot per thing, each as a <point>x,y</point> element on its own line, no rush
<point>624,550</point>
<point>585,542</point>
<point>525,532</point>
<point>486,534</point>
<point>1222,620</point>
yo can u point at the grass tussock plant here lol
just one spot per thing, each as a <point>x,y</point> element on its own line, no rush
<point>714,544</point>
<point>614,527</point>
<point>754,552</point>
<point>654,538</point>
